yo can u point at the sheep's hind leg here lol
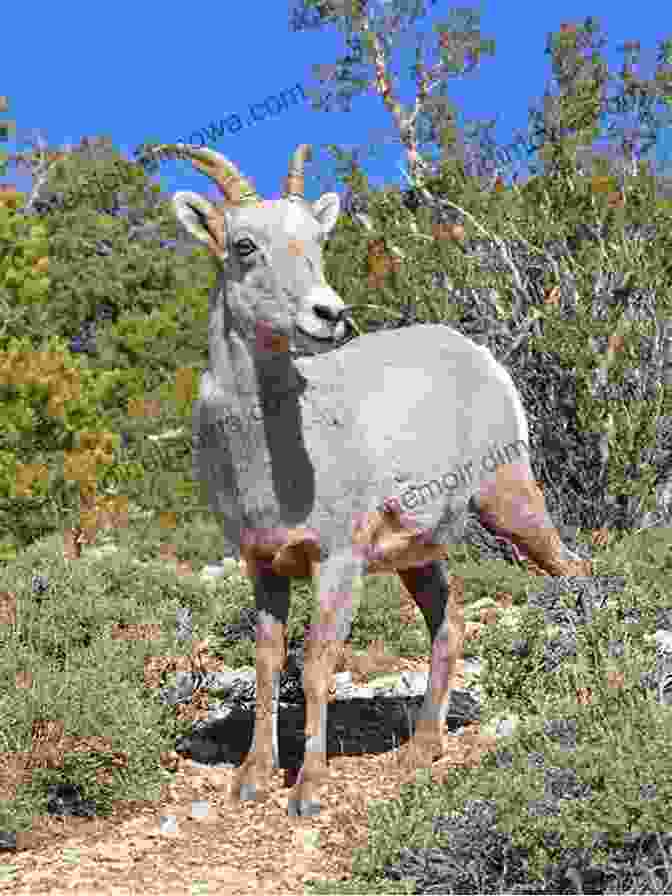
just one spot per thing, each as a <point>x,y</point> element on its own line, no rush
<point>441,602</point>
<point>514,506</point>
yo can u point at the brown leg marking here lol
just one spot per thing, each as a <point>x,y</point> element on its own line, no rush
<point>251,780</point>
<point>322,650</point>
<point>442,605</point>
<point>515,506</point>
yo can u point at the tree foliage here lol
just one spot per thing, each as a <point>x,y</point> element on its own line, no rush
<point>89,275</point>
<point>566,278</point>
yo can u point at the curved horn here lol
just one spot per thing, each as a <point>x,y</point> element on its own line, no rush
<point>235,188</point>
<point>294,182</point>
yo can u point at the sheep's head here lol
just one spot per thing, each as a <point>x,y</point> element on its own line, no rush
<point>270,255</point>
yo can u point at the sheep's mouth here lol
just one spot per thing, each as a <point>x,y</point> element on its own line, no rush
<point>331,339</point>
<point>307,345</point>
<point>323,339</point>
<point>322,324</point>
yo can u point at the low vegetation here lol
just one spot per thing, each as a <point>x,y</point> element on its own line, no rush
<point>60,660</point>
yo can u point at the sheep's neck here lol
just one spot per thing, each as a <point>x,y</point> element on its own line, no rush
<point>256,391</point>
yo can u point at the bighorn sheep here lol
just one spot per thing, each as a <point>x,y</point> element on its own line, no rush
<point>303,458</point>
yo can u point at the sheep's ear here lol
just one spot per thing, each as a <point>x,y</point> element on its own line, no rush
<point>326,209</point>
<point>195,213</point>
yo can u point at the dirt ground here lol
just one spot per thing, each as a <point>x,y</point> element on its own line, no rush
<point>238,849</point>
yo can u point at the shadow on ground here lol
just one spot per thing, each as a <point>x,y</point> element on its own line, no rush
<point>354,727</point>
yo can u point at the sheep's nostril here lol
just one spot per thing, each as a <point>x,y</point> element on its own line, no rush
<point>324,313</point>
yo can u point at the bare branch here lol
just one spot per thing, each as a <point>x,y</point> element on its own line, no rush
<point>39,159</point>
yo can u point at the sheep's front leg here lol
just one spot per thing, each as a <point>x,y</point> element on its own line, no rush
<point>323,644</point>
<point>251,781</point>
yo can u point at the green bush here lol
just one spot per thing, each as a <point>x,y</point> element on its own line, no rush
<point>54,402</point>
<point>639,301</point>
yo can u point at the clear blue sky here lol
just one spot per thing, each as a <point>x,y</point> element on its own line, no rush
<point>147,71</point>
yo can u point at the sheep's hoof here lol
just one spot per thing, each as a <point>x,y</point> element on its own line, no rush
<point>303,808</point>
<point>250,782</point>
<point>248,792</point>
<point>303,800</point>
